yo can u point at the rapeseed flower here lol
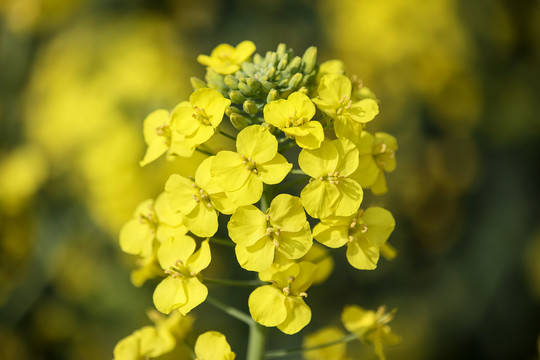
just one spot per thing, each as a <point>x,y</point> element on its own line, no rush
<point>160,139</point>
<point>153,341</point>
<point>335,101</point>
<point>370,327</point>
<point>331,191</point>
<point>377,156</point>
<point>199,199</point>
<point>282,303</point>
<point>292,116</point>
<point>258,236</point>
<point>323,336</point>
<point>198,119</point>
<point>226,59</point>
<point>213,345</point>
<point>242,174</point>
<point>181,289</point>
<point>151,220</point>
<point>364,233</point>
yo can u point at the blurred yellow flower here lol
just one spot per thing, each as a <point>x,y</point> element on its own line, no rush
<point>323,336</point>
<point>226,59</point>
<point>213,345</point>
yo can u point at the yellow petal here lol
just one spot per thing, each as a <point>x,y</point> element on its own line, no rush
<point>298,315</point>
<point>358,320</point>
<point>314,136</point>
<point>257,143</point>
<point>267,305</point>
<point>361,254</point>
<point>243,51</point>
<point>304,278</point>
<point>257,257</point>
<point>278,112</point>
<point>213,345</point>
<point>348,156</point>
<point>169,294</point>
<point>182,121</point>
<point>136,238</point>
<point>274,171</point>
<point>164,212</point>
<point>199,136</point>
<point>249,193</point>
<point>180,192</point>
<point>319,162</point>
<point>333,88</point>
<point>363,111</point>
<point>380,224</point>
<point>173,249</point>
<point>286,212</point>
<point>212,102</point>
<point>203,220</point>
<point>303,105</point>
<point>320,198</point>
<point>157,144</point>
<point>247,225</point>
<point>294,245</point>
<point>200,259</point>
<point>229,171</point>
<point>196,293</point>
<point>351,196</point>
<point>333,236</point>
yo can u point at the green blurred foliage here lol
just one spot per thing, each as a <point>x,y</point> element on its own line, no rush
<point>457,81</point>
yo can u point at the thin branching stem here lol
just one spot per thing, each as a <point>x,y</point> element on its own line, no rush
<point>234,312</point>
<point>293,351</point>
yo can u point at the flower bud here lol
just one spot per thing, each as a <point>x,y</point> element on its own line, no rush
<point>294,65</point>
<point>254,83</point>
<point>245,89</point>
<point>237,97</point>
<point>238,121</point>
<point>310,59</point>
<point>272,95</point>
<point>231,82</point>
<point>197,83</point>
<point>250,107</point>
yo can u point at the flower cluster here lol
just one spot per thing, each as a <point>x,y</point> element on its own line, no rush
<point>275,103</point>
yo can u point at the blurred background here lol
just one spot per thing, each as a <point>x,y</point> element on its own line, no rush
<point>458,83</point>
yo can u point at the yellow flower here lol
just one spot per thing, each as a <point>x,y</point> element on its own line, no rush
<point>365,233</point>
<point>198,119</point>
<point>370,327</point>
<point>322,336</point>
<point>153,341</point>
<point>182,289</point>
<point>258,236</point>
<point>199,199</point>
<point>160,139</point>
<point>335,93</point>
<point>317,255</point>
<point>213,345</point>
<point>330,67</point>
<point>282,303</point>
<point>377,156</point>
<point>151,220</point>
<point>147,267</point>
<point>226,59</point>
<point>292,116</point>
<point>242,173</point>
<point>330,191</point>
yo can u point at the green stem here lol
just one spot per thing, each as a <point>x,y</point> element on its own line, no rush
<point>237,283</point>
<point>257,341</point>
<point>286,146</point>
<point>287,352</point>
<point>233,138</point>
<point>223,242</point>
<point>235,313</point>
<point>204,151</point>
<point>297,172</point>
<point>190,349</point>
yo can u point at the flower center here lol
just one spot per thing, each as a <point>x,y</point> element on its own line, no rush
<point>344,104</point>
<point>179,270</point>
<point>201,116</point>
<point>249,163</point>
<point>200,196</point>
<point>272,231</point>
<point>382,153</point>
<point>287,289</point>
<point>333,178</point>
<point>295,121</point>
<point>149,218</point>
<point>357,226</point>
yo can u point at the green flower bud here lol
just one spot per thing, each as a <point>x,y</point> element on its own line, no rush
<point>257,59</point>
<point>237,97</point>
<point>282,64</point>
<point>245,89</point>
<point>272,95</point>
<point>267,85</point>
<point>249,68</point>
<point>281,50</point>
<point>250,107</point>
<point>294,65</point>
<point>238,121</point>
<point>197,83</point>
<point>310,59</point>
<point>215,80</point>
<point>253,83</point>
<point>231,110</point>
<point>295,80</point>
<point>231,82</point>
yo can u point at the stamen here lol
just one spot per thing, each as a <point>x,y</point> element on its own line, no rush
<point>303,294</point>
<point>351,238</point>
